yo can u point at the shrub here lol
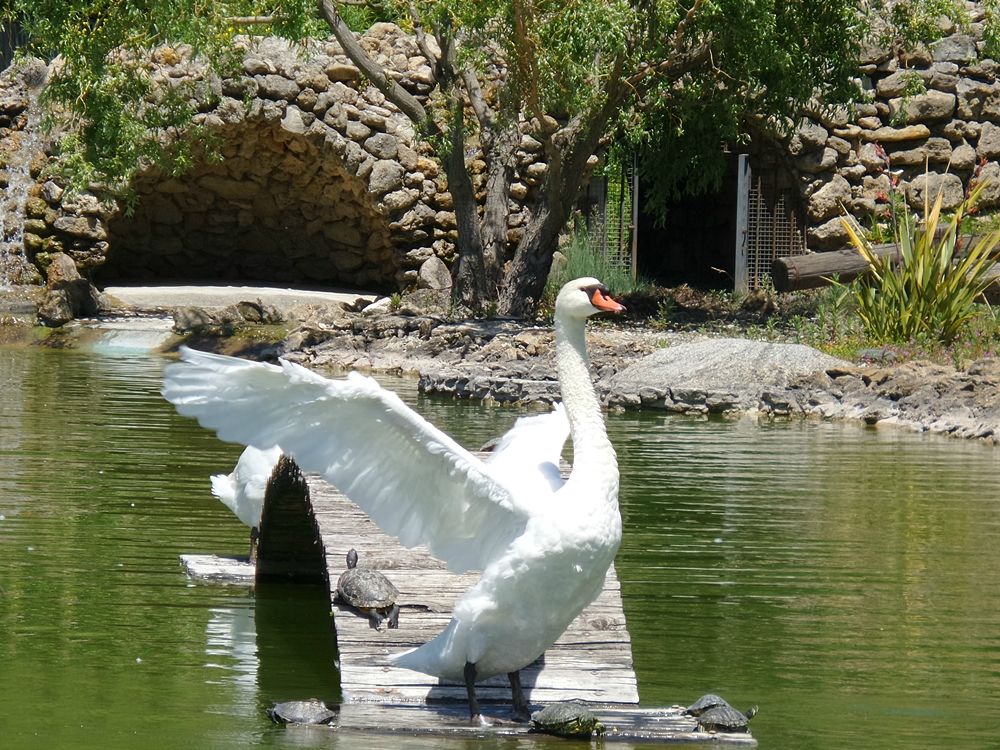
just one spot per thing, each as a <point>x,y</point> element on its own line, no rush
<point>931,292</point>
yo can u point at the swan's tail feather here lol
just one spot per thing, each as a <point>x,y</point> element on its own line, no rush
<point>222,488</point>
<point>432,657</point>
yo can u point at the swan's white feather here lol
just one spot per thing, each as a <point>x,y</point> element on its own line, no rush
<point>242,490</point>
<point>413,480</point>
<point>527,457</point>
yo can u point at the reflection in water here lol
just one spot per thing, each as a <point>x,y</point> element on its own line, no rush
<point>846,580</point>
<point>851,574</point>
<point>298,656</point>
<point>231,647</point>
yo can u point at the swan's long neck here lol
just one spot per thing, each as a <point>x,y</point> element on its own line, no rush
<point>593,455</point>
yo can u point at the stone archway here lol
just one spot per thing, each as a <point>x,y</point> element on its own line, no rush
<point>278,207</point>
<point>318,182</point>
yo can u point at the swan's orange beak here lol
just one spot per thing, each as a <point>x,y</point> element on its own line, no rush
<point>603,301</point>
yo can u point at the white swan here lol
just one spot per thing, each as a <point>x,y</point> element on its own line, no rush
<point>544,545</point>
<point>242,490</point>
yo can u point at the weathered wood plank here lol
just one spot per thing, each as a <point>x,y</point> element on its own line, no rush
<point>219,569</point>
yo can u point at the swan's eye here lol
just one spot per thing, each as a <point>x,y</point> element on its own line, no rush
<point>600,299</point>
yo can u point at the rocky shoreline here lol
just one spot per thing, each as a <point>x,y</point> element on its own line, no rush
<point>635,366</point>
<point>641,368</point>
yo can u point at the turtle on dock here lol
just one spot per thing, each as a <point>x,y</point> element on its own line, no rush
<point>313,711</point>
<point>369,592</point>
<point>567,719</point>
<point>704,703</point>
<point>726,719</point>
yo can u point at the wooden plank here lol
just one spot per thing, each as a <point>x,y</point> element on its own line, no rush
<point>592,661</point>
<point>219,569</point>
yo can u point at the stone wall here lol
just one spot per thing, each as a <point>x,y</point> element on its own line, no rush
<point>932,123</point>
<point>321,180</point>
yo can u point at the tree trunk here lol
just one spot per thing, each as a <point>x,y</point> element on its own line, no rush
<point>812,270</point>
<point>468,274</point>
<point>501,156</point>
<point>524,280</point>
<point>796,272</point>
<point>568,151</point>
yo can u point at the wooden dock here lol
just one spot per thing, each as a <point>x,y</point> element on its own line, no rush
<point>591,662</point>
<point>306,531</point>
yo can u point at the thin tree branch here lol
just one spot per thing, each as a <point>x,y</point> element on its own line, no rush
<point>407,103</point>
<point>526,55</point>
<point>477,99</point>
<point>422,42</point>
<point>673,67</point>
<point>683,57</point>
<point>251,20</point>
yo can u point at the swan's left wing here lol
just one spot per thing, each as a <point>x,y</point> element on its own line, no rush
<point>527,457</point>
<point>413,480</point>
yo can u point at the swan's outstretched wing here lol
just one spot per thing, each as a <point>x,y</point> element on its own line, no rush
<point>411,478</point>
<point>527,457</point>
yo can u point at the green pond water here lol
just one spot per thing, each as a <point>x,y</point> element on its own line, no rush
<point>846,580</point>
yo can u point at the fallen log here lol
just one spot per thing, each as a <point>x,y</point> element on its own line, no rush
<point>816,269</point>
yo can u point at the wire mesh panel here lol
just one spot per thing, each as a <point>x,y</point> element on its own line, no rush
<point>773,231</point>
<point>610,223</point>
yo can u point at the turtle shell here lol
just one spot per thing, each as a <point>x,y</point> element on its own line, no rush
<point>705,702</point>
<point>566,720</point>
<point>301,712</point>
<point>366,588</point>
<point>723,718</point>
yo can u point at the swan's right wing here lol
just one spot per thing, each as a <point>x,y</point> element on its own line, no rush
<point>413,480</point>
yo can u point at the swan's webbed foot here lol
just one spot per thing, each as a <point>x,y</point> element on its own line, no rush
<point>520,710</point>
<point>478,720</point>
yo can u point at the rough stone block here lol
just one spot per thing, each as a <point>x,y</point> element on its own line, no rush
<point>929,107</point>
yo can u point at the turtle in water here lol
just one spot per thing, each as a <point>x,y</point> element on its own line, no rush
<point>725,718</point>
<point>705,702</point>
<point>566,720</point>
<point>369,592</point>
<point>311,711</point>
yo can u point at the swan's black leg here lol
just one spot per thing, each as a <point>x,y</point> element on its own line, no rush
<point>470,689</point>
<point>394,616</point>
<point>254,537</point>
<point>520,711</point>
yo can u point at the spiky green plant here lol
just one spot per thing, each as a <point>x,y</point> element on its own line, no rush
<point>931,291</point>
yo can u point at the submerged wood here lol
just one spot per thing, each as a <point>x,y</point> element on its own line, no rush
<point>219,569</point>
<point>629,724</point>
